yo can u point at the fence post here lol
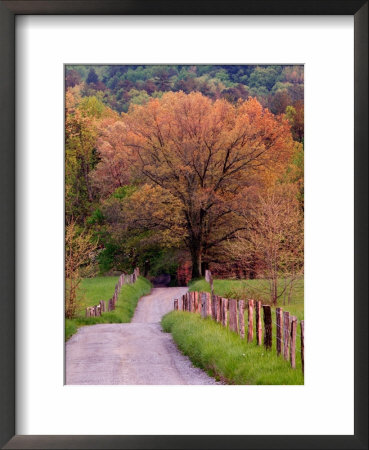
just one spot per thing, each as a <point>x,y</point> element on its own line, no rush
<point>293,342</point>
<point>286,334</point>
<point>267,326</point>
<point>302,344</point>
<point>259,328</point>
<point>250,317</point>
<point>207,275</point>
<point>224,312</point>
<point>87,312</point>
<point>217,305</point>
<point>279,315</point>
<point>214,306</point>
<point>233,325</point>
<point>203,305</point>
<point>176,304</point>
<point>241,318</point>
<point>196,301</point>
<point>208,304</point>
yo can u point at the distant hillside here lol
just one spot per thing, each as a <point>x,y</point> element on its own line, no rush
<point>276,87</point>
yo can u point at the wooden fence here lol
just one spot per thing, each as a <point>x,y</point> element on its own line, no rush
<point>231,313</point>
<point>97,310</point>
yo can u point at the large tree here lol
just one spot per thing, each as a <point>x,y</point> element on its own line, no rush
<point>82,116</point>
<point>209,155</point>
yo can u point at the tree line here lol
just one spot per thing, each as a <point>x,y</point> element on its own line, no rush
<point>206,165</point>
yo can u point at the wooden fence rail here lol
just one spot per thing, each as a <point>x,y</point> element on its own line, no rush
<point>231,313</point>
<point>97,310</point>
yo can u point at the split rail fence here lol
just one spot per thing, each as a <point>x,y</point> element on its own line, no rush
<point>97,310</point>
<point>231,313</point>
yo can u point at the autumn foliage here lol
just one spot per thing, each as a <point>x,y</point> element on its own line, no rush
<point>205,156</point>
<point>180,168</point>
<point>78,250</point>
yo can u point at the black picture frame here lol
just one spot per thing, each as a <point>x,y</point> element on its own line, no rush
<point>8,12</point>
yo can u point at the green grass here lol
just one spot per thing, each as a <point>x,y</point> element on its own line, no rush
<point>227,357</point>
<point>102,288</point>
<point>256,289</point>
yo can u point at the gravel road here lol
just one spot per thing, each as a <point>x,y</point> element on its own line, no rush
<point>132,353</point>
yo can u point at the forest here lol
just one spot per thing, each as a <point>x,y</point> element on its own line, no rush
<point>179,168</point>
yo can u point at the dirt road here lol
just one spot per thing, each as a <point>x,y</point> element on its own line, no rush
<point>132,353</point>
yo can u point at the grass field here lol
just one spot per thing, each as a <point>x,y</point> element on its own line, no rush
<point>102,288</point>
<point>256,289</point>
<point>227,357</point>
<point>222,352</point>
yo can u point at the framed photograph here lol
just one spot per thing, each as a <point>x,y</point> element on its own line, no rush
<point>185,186</point>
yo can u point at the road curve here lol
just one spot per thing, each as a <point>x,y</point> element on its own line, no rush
<point>132,353</point>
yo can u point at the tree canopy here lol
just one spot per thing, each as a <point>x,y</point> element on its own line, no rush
<point>174,162</point>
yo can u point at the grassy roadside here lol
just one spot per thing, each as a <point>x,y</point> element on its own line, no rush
<point>256,289</point>
<point>102,288</point>
<point>224,355</point>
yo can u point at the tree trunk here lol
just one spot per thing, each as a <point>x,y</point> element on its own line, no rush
<point>274,290</point>
<point>204,266</point>
<point>196,261</point>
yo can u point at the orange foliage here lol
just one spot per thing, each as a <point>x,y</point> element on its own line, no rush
<point>113,170</point>
<point>209,155</point>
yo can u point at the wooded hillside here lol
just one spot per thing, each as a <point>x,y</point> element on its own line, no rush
<point>174,168</point>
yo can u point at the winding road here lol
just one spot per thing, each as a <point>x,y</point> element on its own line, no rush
<point>132,353</point>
